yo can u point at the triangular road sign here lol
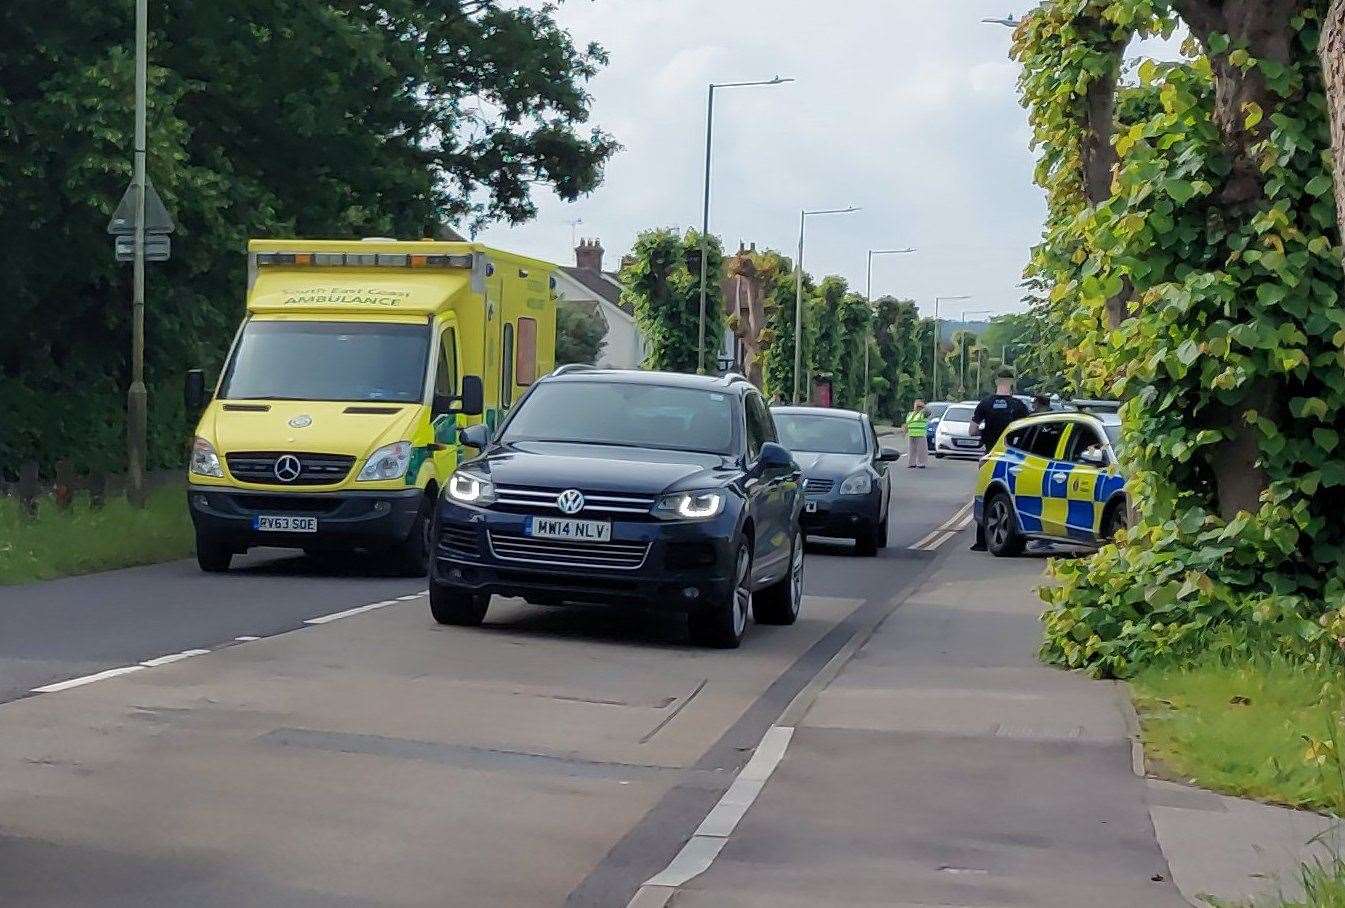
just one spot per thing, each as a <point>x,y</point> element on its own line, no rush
<point>157,218</point>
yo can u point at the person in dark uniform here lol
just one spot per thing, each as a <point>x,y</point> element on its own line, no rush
<point>1041,404</point>
<point>993,415</point>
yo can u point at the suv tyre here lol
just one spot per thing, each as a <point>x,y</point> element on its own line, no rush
<point>722,625</point>
<point>780,602</point>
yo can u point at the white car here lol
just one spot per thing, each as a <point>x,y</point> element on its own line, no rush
<point>953,438</point>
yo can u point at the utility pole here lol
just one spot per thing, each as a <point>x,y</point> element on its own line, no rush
<point>705,208</point>
<point>136,398</point>
<point>868,298</point>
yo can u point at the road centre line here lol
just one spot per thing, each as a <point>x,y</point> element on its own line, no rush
<point>936,537</point>
<point>87,679</point>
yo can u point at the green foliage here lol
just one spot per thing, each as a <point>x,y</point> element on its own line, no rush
<point>1254,728</point>
<point>856,321</point>
<point>1223,237</point>
<point>580,330</point>
<point>271,118</point>
<point>778,337</point>
<point>662,283</point>
<point>84,539</point>
<point>828,333</point>
<point>899,377</point>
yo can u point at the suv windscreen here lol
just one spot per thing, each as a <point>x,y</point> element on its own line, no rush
<point>346,361</point>
<point>821,434</point>
<point>627,414</point>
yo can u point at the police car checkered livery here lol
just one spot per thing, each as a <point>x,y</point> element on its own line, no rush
<point>1052,477</point>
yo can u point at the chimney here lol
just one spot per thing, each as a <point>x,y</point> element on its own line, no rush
<point>588,255</point>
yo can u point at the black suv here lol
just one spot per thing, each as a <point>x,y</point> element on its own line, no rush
<point>628,488</point>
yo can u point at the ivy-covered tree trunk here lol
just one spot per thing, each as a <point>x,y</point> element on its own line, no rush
<point>1333,74</point>
<point>745,298</point>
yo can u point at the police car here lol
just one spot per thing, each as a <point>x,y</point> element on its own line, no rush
<point>1053,477</point>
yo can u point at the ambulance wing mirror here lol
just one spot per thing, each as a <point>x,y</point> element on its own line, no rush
<point>193,390</point>
<point>471,402</point>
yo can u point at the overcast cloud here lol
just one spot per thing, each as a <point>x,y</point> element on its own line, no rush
<point>905,107</point>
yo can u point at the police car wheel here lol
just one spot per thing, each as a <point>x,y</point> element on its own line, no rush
<point>1001,532</point>
<point>1116,520</point>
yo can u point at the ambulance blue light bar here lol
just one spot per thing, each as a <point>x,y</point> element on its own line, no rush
<point>362,260</point>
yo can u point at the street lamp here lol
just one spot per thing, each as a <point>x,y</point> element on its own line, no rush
<point>965,314</point>
<point>934,365</point>
<point>1009,21</point>
<point>798,292</point>
<point>705,213</point>
<point>868,296</point>
<point>574,225</point>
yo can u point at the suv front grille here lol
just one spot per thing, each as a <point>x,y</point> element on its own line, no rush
<point>619,556</point>
<point>314,469</point>
<point>818,486</point>
<point>544,500</point>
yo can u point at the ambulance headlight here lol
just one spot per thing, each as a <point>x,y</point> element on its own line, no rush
<point>469,488</point>
<point>388,462</point>
<point>204,460</point>
<point>859,484</point>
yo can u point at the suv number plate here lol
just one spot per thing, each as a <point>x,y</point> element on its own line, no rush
<point>577,530</point>
<point>280,524</point>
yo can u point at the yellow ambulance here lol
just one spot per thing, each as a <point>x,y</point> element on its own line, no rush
<point>335,420</point>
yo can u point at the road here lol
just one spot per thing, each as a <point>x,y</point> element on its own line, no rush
<point>554,755</point>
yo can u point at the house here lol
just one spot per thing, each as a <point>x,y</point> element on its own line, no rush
<point>587,282</point>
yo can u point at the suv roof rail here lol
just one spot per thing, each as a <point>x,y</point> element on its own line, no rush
<point>572,367</point>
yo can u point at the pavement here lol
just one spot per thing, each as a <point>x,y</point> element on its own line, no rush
<point>290,734</point>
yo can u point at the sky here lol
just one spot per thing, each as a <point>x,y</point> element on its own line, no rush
<point>906,108</point>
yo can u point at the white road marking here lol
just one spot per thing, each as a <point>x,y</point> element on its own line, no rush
<point>710,837</point>
<point>87,679</point>
<point>246,639</point>
<point>410,598</point>
<point>961,519</point>
<point>175,657</point>
<point>351,611</point>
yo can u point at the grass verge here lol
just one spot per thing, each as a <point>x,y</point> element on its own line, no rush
<point>84,539</point>
<point>1265,728</point>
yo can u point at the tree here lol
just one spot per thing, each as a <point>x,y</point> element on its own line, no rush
<point>780,329</point>
<point>750,275</point>
<point>581,333</point>
<point>900,370</point>
<point>270,118</point>
<point>856,319</point>
<point>1333,69</point>
<point>828,333</point>
<point>662,283</point>
<point>1216,228</point>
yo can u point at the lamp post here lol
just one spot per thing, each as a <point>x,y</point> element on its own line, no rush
<point>965,314</point>
<point>934,365</point>
<point>798,292</point>
<point>136,396</point>
<point>705,212</point>
<point>868,297</point>
<point>1009,21</point>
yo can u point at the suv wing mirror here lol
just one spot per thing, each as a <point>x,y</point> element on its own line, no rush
<point>774,457</point>
<point>889,455</point>
<point>477,436</point>
<point>471,402</point>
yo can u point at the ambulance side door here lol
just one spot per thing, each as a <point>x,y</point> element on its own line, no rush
<point>447,382</point>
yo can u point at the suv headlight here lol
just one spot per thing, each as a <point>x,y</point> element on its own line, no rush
<point>859,484</point>
<point>388,462</point>
<point>469,488</point>
<point>204,460</point>
<point>691,505</point>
